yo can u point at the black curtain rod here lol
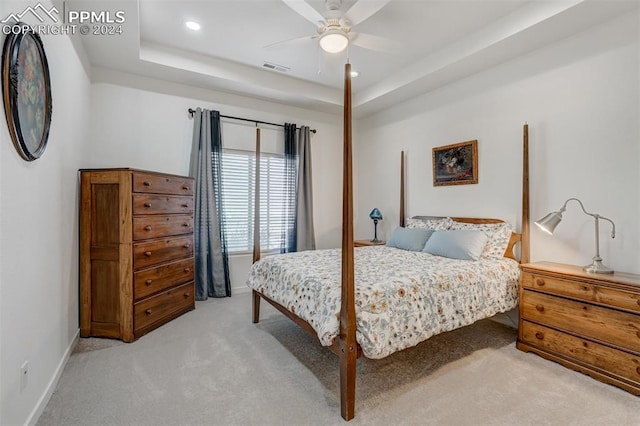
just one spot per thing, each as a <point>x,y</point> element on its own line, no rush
<point>193,111</point>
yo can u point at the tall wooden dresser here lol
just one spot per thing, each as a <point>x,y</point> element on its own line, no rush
<point>587,322</point>
<point>136,251</point>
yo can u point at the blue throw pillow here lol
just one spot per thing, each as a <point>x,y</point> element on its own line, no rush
<point>412,239</point>
<point>459,244</point>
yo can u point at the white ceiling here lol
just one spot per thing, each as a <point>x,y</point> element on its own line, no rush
<point>441,41</point>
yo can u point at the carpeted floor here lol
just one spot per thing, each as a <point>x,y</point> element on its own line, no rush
<point>213,366</point>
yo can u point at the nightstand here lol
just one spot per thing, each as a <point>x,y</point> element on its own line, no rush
<point>587,322</point>
<point>363,243</point>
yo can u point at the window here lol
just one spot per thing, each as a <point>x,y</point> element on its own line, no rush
<point>277,214</point>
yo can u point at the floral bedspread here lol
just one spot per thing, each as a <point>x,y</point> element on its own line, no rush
<point>402,297</point>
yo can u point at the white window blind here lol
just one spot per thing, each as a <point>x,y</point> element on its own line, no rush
<point>238,195</point>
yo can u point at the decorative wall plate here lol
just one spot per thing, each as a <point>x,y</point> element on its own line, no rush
<point>26,91</point>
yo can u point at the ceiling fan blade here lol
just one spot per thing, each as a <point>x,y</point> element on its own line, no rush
<point>363,9</point>
<point>290,42</point>
<point>372,42</point>
<point>303,9</point>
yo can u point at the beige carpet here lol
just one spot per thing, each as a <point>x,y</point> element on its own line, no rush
<point>212,366</point>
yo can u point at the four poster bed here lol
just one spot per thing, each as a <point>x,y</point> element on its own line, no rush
<point>403,297</point>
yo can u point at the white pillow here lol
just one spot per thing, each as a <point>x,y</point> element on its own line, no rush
<point>499,235</point>
<point>435,224</point>
<point>458,244</point>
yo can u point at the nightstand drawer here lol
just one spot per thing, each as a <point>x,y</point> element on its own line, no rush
<point>606,325</point>
<point>583,291</point>
<point>603,357</point>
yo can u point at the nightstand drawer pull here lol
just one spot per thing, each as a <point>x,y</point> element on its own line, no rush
<point>185,205</point>
<point>185,187</point>
<point>147,228</point>
<point>540,282</point>
<point>539,308</point>
<point>187,270</point>
<point>147,253</point>
<point>148,311</point>
<point>187,245</point>
<point>146,183</point>
<point>148,282</point>
<point>186,295</point>
<point>147,205</point>
<point>539,335</point>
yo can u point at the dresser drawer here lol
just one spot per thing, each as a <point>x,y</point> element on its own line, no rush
<point>594,354</point>
<point>154,252</point>
<point>161,204</point>
<point>607,325</point>
<point>156,184</point>
<point>154,280</point>
<point>583,291</point>
<point>146,227</point>
<point>163,307</point>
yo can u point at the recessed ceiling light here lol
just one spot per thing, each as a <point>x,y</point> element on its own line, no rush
<point>192,25</point>
<point>354,74</point>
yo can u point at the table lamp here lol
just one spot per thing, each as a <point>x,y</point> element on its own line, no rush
<point>550,221</point>
<point>376,216</point>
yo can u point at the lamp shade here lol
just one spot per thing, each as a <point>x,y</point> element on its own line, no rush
<point>549,222</point>
<point>375,214</point>
<point>334,41</point>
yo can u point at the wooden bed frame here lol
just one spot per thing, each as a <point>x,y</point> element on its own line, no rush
<point>345,345</point>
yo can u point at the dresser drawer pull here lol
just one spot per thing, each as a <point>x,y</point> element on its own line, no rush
<point>148,312</point>
<point>185,187</point>
<point>540,282</point>
<point>147,228</point>
<point>185,205</point>
<point>185,224</point>
<point>147,205</point>
<point>148,282</point>
<point>186,295</point>
<point>539,308</point>
<point>147,253</point>
<point>146,183</point>
<point>539,335</point>
<point>187,245</point>
<point>187,270</point>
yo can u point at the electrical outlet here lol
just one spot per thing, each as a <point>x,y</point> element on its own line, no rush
<point>24,375</point>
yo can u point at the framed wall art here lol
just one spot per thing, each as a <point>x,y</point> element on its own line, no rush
<point>455,164</point>
<point>26,90</point>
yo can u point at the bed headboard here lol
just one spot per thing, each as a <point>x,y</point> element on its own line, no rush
<point>515,237</point>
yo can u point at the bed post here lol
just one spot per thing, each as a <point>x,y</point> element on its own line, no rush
<point>524,245</point>
<point>256,230</point>
<point>402,214</point>
<point>347,339</point>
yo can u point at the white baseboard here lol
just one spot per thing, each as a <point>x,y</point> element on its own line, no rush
<point>53,383</point>
<point>240,290</point>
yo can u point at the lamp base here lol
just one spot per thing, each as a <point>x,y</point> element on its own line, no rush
<point>597,268</point>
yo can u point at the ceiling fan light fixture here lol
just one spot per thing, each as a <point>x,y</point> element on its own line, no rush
<point>192,25</point>
<point>334,41</point>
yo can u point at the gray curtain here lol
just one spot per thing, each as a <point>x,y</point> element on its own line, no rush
<point>211,260</point>
<point>305,235</point>
<point>288,239</point>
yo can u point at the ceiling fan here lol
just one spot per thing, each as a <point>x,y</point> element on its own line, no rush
<point>334,29</point>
